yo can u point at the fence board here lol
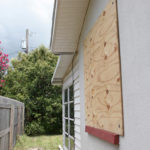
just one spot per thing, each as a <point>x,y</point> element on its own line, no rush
<point>2,143</point>
<point>23,120</point>
<point>5,106</point>
<point>11,122</point>
<point>4,132</point>
<point>19,120</point>
<point>11,128</point>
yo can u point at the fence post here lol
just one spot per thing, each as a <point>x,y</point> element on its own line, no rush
<point>11,127</point>
<point>19,121</point>
<point>23,109</point>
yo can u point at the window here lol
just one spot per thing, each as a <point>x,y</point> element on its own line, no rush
<point>68,118</point>
<point>102,82</point>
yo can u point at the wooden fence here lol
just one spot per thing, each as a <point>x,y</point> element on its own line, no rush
<point>11,122</point>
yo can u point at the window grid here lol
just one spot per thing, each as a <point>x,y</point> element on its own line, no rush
<point>68,102</point>
<point>68,119</point>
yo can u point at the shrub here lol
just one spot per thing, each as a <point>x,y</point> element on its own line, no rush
<point>34,128</point>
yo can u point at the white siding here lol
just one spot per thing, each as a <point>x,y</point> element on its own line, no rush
<point>68,81</point>
<point>77,129</point>
<point>77,114</point>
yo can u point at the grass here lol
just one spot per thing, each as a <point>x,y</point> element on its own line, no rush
<point>50,142</point>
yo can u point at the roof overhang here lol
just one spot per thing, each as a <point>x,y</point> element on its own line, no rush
<point>68,19</point>
<point>63,64</point>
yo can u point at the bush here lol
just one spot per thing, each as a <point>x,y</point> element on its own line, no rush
<point>34,128</point>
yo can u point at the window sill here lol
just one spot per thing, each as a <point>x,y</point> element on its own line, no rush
<point>104,135</point>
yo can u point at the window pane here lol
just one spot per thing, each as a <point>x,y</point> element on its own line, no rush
<point>66,125</point>
<point>72,110</point>
<point>71,95</point>
<point>66,141</point>
<point>66,110</point>
<point>66,95</point>
<point>72,144</point>
<point>72,128</point>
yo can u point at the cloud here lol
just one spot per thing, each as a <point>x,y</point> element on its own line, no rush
<point>2,30</point>
<point>42,8</point>
<point>17,15</point>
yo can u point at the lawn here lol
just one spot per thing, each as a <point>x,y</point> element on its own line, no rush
<point>50,142</point>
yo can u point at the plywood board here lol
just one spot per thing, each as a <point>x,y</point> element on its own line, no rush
<point>103,95</point>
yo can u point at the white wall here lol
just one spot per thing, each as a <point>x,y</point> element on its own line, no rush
<point>89,142</point>
<point>134,23</point>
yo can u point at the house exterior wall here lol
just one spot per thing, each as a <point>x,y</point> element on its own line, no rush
<point>134,27</point>
<point>134,31</point>
<point>134,23</point>
<point>89,142</point>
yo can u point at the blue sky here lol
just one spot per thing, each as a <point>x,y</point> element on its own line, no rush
<point>17,15</point>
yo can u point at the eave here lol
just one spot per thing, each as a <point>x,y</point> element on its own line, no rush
<point>68,20</point>
<point>61,68</point>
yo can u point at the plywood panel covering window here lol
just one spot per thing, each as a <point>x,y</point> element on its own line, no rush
<point>102,73</point>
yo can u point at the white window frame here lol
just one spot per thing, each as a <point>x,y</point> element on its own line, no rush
<point>67,118</point>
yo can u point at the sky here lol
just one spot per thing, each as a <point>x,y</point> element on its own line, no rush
<point>18,15</point>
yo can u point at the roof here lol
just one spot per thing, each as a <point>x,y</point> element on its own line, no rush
<point>68,19</point>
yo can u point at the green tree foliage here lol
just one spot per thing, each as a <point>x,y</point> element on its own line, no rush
<point>29,80</point>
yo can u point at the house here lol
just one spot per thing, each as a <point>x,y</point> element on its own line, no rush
<point>104,70</point>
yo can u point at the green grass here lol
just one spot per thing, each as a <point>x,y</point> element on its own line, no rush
<point>50,142</point>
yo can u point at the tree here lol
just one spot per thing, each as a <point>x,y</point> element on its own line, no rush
<point>29,80</point>
<point>3,65</point>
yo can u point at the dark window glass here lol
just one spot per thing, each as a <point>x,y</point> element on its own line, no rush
<point>72,110</point>
<point>66,141</point>
<point>71,95</point>
<point>66,110</point>
<point>72,144</point>
<point>66,95</point>
<point>66,125</point>
<point>72,128</point>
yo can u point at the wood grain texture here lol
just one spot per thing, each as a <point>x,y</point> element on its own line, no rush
<point>19,121</point>
<point>103,97</point>
<point>23,110</point>
<point>11,127</point>
<point>4,132</point>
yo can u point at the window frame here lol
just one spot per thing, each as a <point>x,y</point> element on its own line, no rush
<point>68,118</point>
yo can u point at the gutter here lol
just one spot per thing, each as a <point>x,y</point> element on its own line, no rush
<point>53,22</point>
<point>56,81</point>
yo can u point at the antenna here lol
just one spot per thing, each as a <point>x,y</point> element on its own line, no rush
<point>27,41</point>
